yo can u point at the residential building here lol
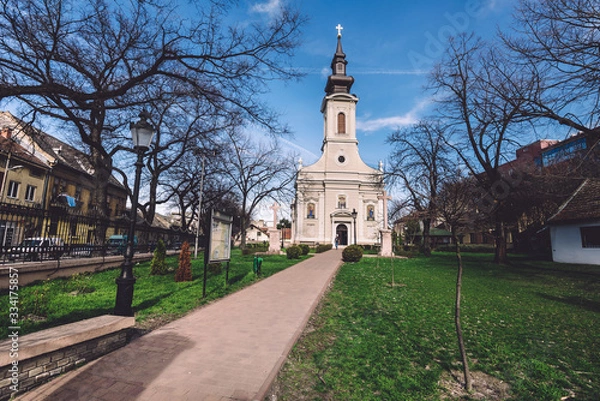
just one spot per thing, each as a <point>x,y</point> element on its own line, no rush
<point>575,228</point>
<point>23,183</point>
<point>60,181</point>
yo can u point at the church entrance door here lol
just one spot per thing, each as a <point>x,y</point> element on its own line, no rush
<point>341,232</point>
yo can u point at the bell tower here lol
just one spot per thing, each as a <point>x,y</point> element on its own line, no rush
<point>339,113</point>
<point>338,198</point>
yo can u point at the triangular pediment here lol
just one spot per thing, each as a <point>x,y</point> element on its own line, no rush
<point>341,213</point>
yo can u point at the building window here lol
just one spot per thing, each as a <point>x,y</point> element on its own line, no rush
<point>371,213</point>
<point>13,190</point>
<point>590,237</point>
<point>30,193</point>
<point>341,202</point>
<point>310,211</point>
<point>341,123</point>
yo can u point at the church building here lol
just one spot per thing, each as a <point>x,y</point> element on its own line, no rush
<point>339,196</point>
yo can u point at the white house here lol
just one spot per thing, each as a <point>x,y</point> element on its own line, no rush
<point>575,228</point>
<point>339,196</point>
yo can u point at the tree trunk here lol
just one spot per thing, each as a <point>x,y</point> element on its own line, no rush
<point>102,171</point>
<point>459,334</point>
<point>500,253</point>
<point>425,243</point>
<point>151,210</point>
<point>243,231</point>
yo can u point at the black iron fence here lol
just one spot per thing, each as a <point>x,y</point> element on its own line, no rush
<point>32,234</point>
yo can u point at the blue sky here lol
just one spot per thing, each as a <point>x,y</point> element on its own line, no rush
<point>390,46</point>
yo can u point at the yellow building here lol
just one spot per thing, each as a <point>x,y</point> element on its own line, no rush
<point>57,179</point>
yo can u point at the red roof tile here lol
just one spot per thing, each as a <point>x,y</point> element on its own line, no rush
<point>584,204</point>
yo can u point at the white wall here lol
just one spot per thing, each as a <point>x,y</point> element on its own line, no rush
<point>566,245</point>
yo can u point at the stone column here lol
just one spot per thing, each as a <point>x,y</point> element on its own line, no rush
<point>274,234</point>
<point>386,234</point>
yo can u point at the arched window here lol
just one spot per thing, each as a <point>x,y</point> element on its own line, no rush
<point>341,123</point>
<point>310,211</point>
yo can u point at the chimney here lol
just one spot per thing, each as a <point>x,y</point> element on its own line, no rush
<point>6,132</point>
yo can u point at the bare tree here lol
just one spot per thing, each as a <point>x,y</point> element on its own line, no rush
<point>470,82</point>
<point>556,41</point>
<point>420,162</point>
<point>455,207</point>
<point>256,172</point>
<point>93,64</point>
<point>182,184</point>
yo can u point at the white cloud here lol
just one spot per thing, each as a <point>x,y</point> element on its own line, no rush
<point>308,157</point>
<point>270,7</point>
<point>386,123</point>
<point>394,122</point>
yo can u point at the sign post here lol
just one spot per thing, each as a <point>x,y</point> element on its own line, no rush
<point>218,247</point>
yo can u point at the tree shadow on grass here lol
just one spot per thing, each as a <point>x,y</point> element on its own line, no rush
<point>580,302</point>
<point>517,270</point>
<point>236,279</point>
<point>151,302</point>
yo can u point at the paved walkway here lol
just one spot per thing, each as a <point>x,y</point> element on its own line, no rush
<point>229,350</point>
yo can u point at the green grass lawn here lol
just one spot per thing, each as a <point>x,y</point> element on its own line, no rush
<point>156,300</point>
<point>534,325</point>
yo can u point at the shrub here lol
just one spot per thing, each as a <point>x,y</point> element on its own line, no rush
<point>158,266</point>
<point>293,252</point>
<point>184,271</point>
<point>305,249</point>
<point>323,248</point>
<point>352,253</point>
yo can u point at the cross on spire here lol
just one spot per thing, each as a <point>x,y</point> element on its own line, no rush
<point>339,29</point>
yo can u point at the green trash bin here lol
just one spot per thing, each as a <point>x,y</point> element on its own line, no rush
<point>257,265</point>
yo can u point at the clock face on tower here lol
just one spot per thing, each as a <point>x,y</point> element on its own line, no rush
<point>341,159</point>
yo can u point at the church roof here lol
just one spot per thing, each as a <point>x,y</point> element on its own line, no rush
<point>338,81</point>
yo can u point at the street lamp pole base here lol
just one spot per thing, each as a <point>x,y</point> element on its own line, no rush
<point>124,296</point>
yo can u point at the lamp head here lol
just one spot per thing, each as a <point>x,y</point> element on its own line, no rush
<point>142,132</point>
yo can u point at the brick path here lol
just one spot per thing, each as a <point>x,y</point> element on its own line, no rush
<point>229,350</point>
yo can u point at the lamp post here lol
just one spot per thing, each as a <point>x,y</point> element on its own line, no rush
<point>200,193</point>
<point>142,133</point>
<point>354,213</point>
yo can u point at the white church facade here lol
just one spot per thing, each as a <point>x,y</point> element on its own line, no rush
<point>339,196</point>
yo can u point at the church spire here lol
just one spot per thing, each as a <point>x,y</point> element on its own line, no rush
<point>338,81</point>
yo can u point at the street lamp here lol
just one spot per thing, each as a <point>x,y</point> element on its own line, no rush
<point>200,193</point>
<point>354,214</point>
<point>142,133</point>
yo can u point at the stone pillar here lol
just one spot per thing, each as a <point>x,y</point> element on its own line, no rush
<point>274,240</point>
<point>274,235</point>
<point>386,243</point>
<point>386,234</point>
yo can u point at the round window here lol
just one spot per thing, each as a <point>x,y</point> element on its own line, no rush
<point>341,159</point>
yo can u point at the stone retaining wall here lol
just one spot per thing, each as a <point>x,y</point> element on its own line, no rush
<point>33,271</point>
<point>47,353</point>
